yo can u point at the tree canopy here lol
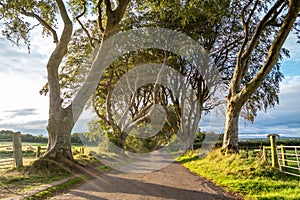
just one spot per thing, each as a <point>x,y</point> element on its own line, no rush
<point>243,38</point>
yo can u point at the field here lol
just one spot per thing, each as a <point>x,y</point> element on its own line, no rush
<point>29,152</point>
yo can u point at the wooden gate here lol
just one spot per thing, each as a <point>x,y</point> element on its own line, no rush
<point>11,151</point>
<point>6,153</point>
<point>288,159</point>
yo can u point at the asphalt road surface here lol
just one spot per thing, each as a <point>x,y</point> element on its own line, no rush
<point>171,182</point>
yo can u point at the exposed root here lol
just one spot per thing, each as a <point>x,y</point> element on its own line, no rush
<point>45,165</point>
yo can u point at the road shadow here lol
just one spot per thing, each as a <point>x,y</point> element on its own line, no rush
<point>112,186</point>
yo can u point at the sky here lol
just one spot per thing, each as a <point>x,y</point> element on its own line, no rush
<point>23,109</point>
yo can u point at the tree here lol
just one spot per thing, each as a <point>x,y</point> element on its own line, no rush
<point>276,24</point>
<point>154,13</point>
<point>215,24</point>
<point>14,15</point>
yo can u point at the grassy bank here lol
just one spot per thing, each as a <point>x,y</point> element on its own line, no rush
<point>246,176</point>
<point>15,182</point>
<point>64,187</point>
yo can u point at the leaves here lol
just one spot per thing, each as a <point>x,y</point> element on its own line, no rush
<point>16,25</point>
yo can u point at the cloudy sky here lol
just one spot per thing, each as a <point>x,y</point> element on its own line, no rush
<point>23,109</point>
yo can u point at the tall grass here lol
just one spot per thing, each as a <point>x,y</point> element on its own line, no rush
<point>246,176</point>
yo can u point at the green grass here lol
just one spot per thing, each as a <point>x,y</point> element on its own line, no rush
<point>248,177</point>
<point>103,168</point>
<point>14,182</point>
<point>59,188</point>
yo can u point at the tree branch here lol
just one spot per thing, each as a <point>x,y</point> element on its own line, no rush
<point>274,51</point>
<point>114,16</point>
<point>56,59</point>
<point>100,15</point>
<point>108,7</point>
<point>82,26</point>
<point>240,67</point>
<point>272,21</point>
<point>244,56</point>
<point>98,113</point>
<point>43,22</point>
<point>259,29</point>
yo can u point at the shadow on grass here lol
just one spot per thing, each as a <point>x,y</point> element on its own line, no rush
<point>186,160</point>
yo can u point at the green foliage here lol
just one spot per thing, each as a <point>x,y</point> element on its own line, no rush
<point>248,177</point>
<point>28,138</point>
<point>256,143</point>
<point>75,139</point>
<point>14,25</point>
<point>34,139</point>
<point>103,168</point>
<point>200,137</point>
<point>248,143</point>
<point>200,20</point>
<point>6,135</point>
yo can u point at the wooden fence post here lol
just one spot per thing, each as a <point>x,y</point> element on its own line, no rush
<point>265,156</point>
<point>274,150</point>
<point>284,163</point>
<point>38,151</point>
<point>18,149</point>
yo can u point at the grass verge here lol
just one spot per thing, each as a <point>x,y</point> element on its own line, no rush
<point>248,177</point>
<point>62,188</point>
<point>15,182</point>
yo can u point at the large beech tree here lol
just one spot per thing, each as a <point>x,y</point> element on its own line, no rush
<point>16,28</point>
<point>275,20</point>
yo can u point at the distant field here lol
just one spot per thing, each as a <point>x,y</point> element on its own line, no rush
<point>29,152</point>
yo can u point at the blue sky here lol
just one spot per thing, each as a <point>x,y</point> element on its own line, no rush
<point>23,109</point>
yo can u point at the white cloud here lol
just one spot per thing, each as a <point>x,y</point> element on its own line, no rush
<point>22,75</point>
<point>292,45</point>
<point>284,119</point>
<point>31,126</point>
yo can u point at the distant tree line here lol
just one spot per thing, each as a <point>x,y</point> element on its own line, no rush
<point>254,143</point>
<point>8,135</point>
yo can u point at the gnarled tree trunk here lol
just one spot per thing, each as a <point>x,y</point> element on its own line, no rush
<point>59,130</point>
<point>230,140</point>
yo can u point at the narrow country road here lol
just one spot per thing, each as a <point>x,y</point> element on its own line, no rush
<point>172,182</point>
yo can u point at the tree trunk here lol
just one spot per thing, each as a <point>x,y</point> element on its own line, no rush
<point>60,121</point>
<point>59,129</point>
<point>230,140</point>
<point>123,138</point>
